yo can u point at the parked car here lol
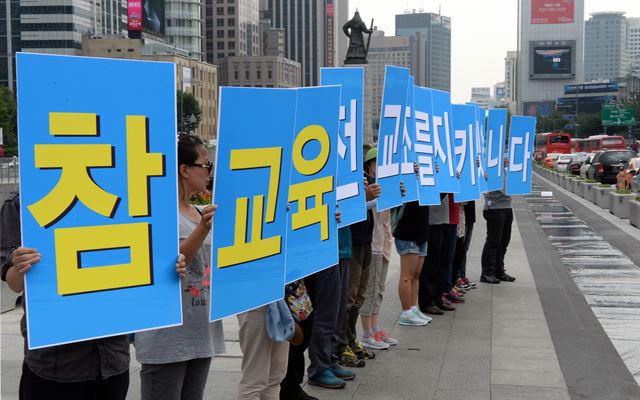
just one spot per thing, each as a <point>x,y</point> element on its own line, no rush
<point>562,162</point>
<point>630,169</point>
<point>607,164</point>
<point>591,172</point>
<point>586,164</point>
<point>635,183</point>
<point>549,159</point>
<point>576,163</point>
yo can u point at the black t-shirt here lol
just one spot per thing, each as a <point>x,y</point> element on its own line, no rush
<point>413,225</point>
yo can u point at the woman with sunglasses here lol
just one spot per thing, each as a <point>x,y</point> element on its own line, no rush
<point>175,361</point>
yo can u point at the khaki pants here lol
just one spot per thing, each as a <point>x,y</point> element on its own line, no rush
<point>264,362</point>
<point>376,286</point>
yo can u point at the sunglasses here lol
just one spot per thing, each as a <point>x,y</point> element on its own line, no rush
<point>208,165</point>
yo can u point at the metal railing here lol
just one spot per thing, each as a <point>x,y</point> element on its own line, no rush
<point>9,170</point>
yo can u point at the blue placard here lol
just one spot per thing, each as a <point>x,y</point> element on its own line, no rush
<point>443,142</point>
<point>396,81</point>
<point>522,133</point>
<point>496,135</point>
<point>350,190</point>
<point>312,234</point>
<point>98,189</point>
<point>255,137</point>
<point>428,185</point>
<point>480,147</point>
<point>464,122</point>
<point>408,158</point>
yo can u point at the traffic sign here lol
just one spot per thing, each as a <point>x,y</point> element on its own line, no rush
<point>613,115</point>
<point>569,117</point>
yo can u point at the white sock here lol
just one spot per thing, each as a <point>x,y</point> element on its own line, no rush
<point>407,313</point>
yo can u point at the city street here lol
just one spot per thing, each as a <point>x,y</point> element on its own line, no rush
<point>565,329</point>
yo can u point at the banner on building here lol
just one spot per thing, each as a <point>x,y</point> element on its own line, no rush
<point>392,121</point>
<point>312,234</point>
<point>521,144</point>
<point>98,197</point>
<point>552,11</point>
<point>350,189</point>
<point>428,192</point>
<point>134,15</point>
<point>253,164</point>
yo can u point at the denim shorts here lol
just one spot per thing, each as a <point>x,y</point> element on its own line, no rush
<point>409,247</point>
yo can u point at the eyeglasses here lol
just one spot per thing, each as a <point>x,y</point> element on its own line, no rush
<point>208,165</point>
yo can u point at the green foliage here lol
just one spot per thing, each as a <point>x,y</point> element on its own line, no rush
<point>590,181</point>
<point>8,118</point>
<point>188,105</point>
<point>604,185</point>
<point>623,191</point>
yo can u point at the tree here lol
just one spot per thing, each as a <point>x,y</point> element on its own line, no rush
<point>8,118</point>
<point>188,106</point>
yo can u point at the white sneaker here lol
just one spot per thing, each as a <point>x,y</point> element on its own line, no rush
<point>374,343</point>
<point>420,315</point>
<point>411,319</point>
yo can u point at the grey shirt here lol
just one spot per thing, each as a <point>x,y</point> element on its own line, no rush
<point>74,362</point>
<point>439,215</point>
<point>196,337</point>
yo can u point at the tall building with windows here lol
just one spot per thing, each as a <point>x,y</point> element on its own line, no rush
<point>605,47</point>
<point>633,44</point>
<point>232,29</point>
<point>9,41</point>
<point>109,18</point>
<point>510,75</point>
<point>437,51</point>
<point>313,33</point>
<point>184,26</point>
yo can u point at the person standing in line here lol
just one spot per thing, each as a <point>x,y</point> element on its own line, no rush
<point>468,215</point>
<point>499,216</point>
<point>175,361</point>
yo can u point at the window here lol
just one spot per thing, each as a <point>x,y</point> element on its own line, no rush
<point>220,34</point>
<point>259,74</point>
<point>231,21</point>
<point>220,45</point>
<point>220,10</point>
<point>231,33</point>
<point>220,55</point>
<point>220,22</point>
<point>246,74</point>
<point>231,10</point>
<point>232,46</point>
<point>235,75</point>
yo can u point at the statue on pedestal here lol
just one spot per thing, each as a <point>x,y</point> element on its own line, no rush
<point>354,29</point>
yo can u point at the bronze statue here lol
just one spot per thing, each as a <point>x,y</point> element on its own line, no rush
<point>354,29</point>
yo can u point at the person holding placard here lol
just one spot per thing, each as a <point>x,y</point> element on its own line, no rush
<point>97,369</point>
<point>175,361</point>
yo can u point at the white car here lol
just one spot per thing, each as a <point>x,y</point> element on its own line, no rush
<point>585,166</point>
<point>562,162</point>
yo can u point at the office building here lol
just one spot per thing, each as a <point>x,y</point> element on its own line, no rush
<point>510,75</point>
<point>196,77</point>
<point>482,97</point>
<point>9,41</point>
<point>183,27</point>
<point>437,51</point>
<point>633,44</point>
<point>313,33</point>
<point>605,47</point>
<point>109,17</point>
<point>550,50</point>
<point>263,71</point>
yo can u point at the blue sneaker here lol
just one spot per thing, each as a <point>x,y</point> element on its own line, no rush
<point>343,374</point>
<point>327,379</point>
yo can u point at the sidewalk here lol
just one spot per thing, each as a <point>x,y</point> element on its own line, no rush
<point>495,346</point>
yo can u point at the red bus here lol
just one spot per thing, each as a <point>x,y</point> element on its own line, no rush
<point>552,142</point>
<point>603,142</point>
<point>577,145</point>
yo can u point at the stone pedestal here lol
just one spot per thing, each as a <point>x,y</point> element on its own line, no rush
<point>602,197</point>
<point>619,204</point>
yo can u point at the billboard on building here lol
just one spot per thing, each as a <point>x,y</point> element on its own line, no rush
<point>153,17</point>
<point>134,15</point>
<point>552,11</point>
<point>329,53</point>
<point>591,88</point>
<point>538,108</point>
<point>552,59</point>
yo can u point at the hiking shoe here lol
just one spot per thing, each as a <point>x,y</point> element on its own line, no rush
<point>343,374</point>
<point>411,319</point>
<point>373,342</point>
<point>420,315</point>
<point>327,379</point>
<point>385,338</point>
<point>349,359</point>
<point>362,353</point>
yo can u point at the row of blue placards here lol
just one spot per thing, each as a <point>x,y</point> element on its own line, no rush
<point>287,162</point>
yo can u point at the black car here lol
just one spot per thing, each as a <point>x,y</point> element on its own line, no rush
<point>607,164</point>
<point>575,164</point>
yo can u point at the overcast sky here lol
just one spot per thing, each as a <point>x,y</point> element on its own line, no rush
<point>481,34</point>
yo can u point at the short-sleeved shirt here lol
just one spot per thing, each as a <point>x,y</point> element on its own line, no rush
<point>74,362</point>
<point>196,337</point>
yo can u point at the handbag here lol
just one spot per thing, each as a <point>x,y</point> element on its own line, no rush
<point>298,299</point>
<point>280,325</point>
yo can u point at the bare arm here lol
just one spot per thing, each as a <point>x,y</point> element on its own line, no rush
<point>190,246</point>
